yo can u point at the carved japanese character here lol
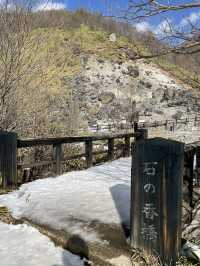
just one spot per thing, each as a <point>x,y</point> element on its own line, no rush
<point>149,232</point>
<point>149,211</point>
<point>149,188</point>
<point>149,168</point>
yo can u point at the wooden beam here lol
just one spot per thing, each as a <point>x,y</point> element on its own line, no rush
<point>111,151</point>
<point>54,141</point>
<point>156,198</point>
<point>8,159</point>
<point>88,153</point>
<point>127,146</point>
<point>57,157</point>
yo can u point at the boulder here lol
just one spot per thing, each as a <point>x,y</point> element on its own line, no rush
<point>132,55</point>
<point>133,71</point>
<point>148,73</point>
<point>146,83</point>
<point>177,115</point>
<point>93,110</point>
<point>191,251</point>
<point>100,60</point>
<point>83,60</point>
<point>113,37</point>
<point>158,111</point>
<point>168,95</point>
<point>158,94</point>
<point>106,97</point>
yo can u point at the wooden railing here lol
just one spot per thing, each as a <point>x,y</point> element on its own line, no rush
<point>57,159</point>
<point>61,158</point>
<point>169,124</point>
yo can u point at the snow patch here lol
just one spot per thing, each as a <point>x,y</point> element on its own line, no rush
<point>74,200</point>
<point>24,245</point>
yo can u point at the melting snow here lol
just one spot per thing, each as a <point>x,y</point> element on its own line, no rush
<point>101,193</point>
<point>24,245</point>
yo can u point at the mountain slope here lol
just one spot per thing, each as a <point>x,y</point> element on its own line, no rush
<point>89,76</point>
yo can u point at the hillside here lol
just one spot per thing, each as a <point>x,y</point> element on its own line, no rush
<point>97,22</point>
<point>60,58</point>
<point>89,70</point>
<point>70,45</point>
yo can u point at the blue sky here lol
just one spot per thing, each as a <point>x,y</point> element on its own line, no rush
<point>108,7</point>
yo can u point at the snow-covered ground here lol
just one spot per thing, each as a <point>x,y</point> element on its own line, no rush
<point>74,200</point>
<point>23,245</point>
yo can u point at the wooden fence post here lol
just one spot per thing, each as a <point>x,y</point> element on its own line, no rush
<point>127,146</point>
<point>8,159</point>
<point>88,153</point>
<point>156,198</point>
<point>111,150</point>
<point>135,126</point>
<point>143,134</point>
<point>57,157</point>
<point>166,125</point>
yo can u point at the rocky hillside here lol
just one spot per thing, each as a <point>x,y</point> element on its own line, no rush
<point>106,89</point>
<point>93,77</point>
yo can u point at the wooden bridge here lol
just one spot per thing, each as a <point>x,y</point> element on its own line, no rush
<point>71,153</point>
<point>159,158</point>
<point>18,167</point>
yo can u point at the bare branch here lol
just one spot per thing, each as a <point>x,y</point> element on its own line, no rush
<point>143,9</point>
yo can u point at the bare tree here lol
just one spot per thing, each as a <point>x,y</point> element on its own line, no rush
<point>176,43</point>
<point>147,8</point>
<point>183,39</point>
<point>24,92</point>
<point>16,61</point>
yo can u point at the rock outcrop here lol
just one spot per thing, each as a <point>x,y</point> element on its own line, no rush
<point>111,87</point>
<point>192,231</point>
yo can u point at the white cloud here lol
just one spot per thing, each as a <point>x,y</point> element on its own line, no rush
<point>192,18</point>
<point>163,28</point>
<point>160,29</point>
<point>143,26</point>
<point>50,6</point>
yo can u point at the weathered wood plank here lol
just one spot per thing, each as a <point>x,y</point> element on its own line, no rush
<point>142,134</point>
<point>88,153</point>
<point>34,164</point>
<point>8,159</point>
<point>156,197</point>
<point>54,141</point>
<point>127,146</point>
<point>57,157</point>
<point>111,150</point>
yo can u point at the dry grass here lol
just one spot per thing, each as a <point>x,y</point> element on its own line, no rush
<point>5,216</point>
<point>183,75</point>
<point>141,259</point>
<point>138,258</point>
